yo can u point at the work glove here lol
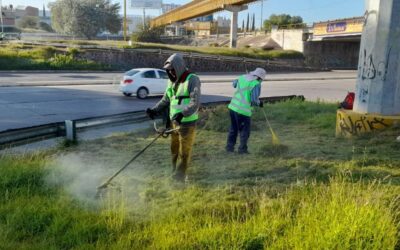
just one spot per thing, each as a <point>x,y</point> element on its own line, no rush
<point>151,113</point>
<point>178,117</point>
<point>261,105</point>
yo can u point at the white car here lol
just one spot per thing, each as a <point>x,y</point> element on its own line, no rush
<point>144,82</point>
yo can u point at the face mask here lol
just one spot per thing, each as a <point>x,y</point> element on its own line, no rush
<point>172,75</point>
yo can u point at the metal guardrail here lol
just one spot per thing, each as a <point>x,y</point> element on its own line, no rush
<point>16,137</point>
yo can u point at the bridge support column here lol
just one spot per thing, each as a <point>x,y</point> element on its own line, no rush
<point>378,83</point>
<point>234,22</point>
<point>177,30</point>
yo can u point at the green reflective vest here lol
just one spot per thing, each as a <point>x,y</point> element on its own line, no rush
<point>180,99</point>
<point>241,100</point>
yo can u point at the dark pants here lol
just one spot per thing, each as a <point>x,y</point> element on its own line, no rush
<point>239,124</point>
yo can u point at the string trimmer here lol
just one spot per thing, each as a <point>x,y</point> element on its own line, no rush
<point>161,133</point>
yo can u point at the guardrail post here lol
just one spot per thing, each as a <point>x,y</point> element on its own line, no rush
<point>70,130</point>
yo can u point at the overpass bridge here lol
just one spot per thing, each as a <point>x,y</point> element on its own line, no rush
<point>198,8</point>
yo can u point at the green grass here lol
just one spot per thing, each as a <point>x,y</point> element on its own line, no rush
<point>314,191</point>
<point>238,52</point>
<point>21,57</point>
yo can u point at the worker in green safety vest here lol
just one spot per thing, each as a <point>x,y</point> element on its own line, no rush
<point>248,89</point>
<point>182,98</point>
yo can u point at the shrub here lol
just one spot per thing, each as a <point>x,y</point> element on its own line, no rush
<point>29,22</point>
<point>45,52</point>
<point>148,35</point>
<point>213,44</point>
<point>74,52</point>
<point>46,27</point>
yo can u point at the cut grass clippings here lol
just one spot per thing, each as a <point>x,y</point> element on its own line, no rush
<point>314,191</point>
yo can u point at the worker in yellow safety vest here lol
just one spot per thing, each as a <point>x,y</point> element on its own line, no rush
<point>182,98</point>
<point>248,89</point>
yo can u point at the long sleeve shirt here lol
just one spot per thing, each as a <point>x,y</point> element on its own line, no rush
<point>255,93</point>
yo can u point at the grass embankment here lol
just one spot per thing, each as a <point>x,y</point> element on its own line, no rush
<point>315,192</point>
<point>223,51</point>
<point>238,52</point>
<point>23,57</point>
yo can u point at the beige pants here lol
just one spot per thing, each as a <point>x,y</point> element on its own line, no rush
<point>181,147</point>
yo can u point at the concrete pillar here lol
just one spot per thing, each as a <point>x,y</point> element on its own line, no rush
<point>234,22</point>
<point>378,83</point>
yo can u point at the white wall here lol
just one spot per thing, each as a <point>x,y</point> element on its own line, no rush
<point>289,39</point>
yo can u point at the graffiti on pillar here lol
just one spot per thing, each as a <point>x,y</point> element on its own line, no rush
<point>354,125</point>
<point>384,65</point>
<point>368,67</point>
<point>363,95</point>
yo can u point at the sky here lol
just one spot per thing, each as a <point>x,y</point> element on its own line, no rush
<point>310,10</point>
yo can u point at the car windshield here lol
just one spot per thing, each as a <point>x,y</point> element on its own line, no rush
<point>131,72</point>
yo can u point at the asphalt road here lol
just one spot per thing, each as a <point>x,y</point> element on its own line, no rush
<point>34,105</point>
<point>11,79</point>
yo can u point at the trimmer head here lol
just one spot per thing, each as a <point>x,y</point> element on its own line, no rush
<point>104,189</point>
<point>161,133</point>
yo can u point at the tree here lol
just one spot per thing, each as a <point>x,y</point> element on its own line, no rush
<point>253,26</point>
<point>85,17</point>
<point>28,22</point>
<point>283,20</point>
<point>248,20</point>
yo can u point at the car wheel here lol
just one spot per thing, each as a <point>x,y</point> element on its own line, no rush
<point>142,93</point>
<point>127,94</point>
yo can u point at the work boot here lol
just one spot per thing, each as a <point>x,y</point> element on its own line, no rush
<point>179,176</point>
<point>229,149</point>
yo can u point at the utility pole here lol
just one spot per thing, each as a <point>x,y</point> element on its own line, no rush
<point>262,12</point>
<point>144,18</point>
<point>125,20</point>
<point>1,16</point>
